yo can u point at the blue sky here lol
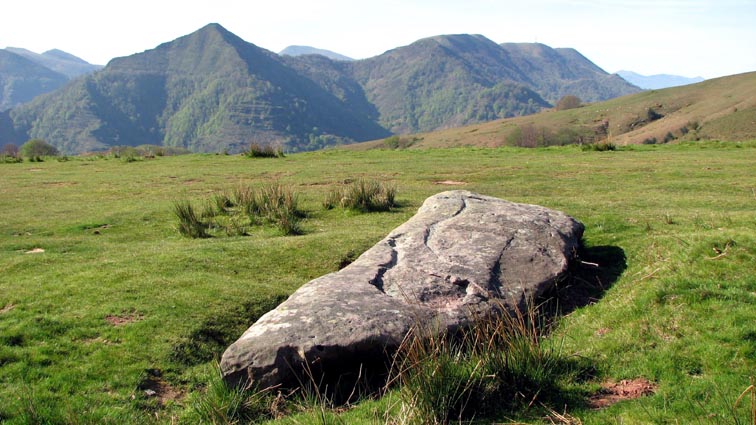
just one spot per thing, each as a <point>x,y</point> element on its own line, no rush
<point>708,38</point>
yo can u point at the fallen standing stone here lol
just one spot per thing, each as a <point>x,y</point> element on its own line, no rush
<point>462,256</point>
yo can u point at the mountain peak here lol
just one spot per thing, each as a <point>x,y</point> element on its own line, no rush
<point>65,56</point>
<point>22,79</point>
<point>58,61</point>
<point>213,26</point>
<point>458,41</point>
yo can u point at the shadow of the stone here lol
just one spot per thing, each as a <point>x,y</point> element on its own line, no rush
<point>596,270</point>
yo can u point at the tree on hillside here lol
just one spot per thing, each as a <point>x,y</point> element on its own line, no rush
<point>9,150</point>
<point>36,148</point>
<point>568,102</point>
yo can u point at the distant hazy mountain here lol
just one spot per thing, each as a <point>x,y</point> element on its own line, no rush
<point>659,81</point>
<point>211,91</point>
<point>59,61</point>
<point>21,80</point>
<point>307,50</point>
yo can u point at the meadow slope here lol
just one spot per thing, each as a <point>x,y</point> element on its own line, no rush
<point>102,300</point>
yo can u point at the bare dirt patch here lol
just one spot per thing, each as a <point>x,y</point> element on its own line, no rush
<point>154,386</point>
<point>7,308</point>
<point>450,183</point>
<point>603,331</point>
<point>627,389</point>
<point>97,230</point>
<point>123,319</point>
<point>35,251</point>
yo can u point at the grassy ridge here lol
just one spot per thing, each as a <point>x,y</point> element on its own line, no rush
<point>718,109</point>
<point>681,314</point>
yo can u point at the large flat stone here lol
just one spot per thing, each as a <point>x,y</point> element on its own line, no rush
<point>462,256</point>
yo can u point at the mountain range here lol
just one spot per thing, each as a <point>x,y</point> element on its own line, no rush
<point>658,81</point>
<point>58,60</point>
<point>25,75</point>
<point>211,91</point>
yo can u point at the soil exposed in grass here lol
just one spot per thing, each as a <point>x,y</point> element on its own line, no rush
<point>627,389</point>
<point>154,386</point>
<point>124,319</point>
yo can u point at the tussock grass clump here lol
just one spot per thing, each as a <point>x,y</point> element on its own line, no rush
<point>363,195</point>
<point>234,213</point>
<point>600,147</point>
<point>278,205</point>
<point>500,365</point>
<point>190,224</point>
<point>221,403</point>
<point>257,151</point>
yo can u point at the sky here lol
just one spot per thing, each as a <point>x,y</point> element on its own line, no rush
<point>707,38</point>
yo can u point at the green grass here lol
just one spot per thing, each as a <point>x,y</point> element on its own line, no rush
<point>362,195</point>
<point>681,314</point>
<point>503,366</point>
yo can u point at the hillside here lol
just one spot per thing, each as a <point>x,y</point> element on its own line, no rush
<point>559,72</point>
<point>452,80</point>
<point>444,82</point>
<point>658,81</point>
<point>21,80</point>
<point>59,61</point>
<point>211,91</point>
<point>207,91</point>
<point>718,109</point>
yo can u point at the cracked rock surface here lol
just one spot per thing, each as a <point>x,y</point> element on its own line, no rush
<point>462,256</point>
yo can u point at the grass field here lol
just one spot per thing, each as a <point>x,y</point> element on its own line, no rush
<point>102,301</point>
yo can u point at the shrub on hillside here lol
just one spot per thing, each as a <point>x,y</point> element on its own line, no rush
<point>391,142</point>
<point>9,154</point>
<point>652,115</point>
<point>530,136</point>
<point>36,149</point>
<point>568,102</point>
<point>600,147</point>
<point>9,150</point>
<point>267,151</point>
<point>396,142</point>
